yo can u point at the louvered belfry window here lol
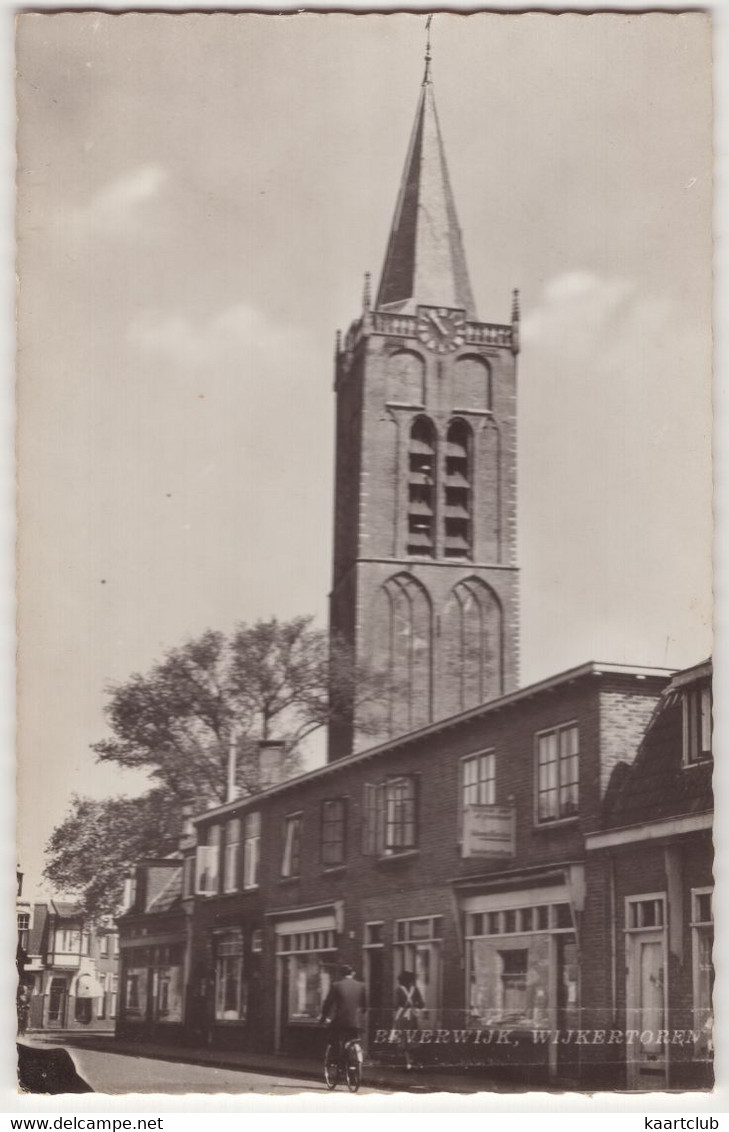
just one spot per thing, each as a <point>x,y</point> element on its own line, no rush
<point>421,489</point>
<point>458,536</point>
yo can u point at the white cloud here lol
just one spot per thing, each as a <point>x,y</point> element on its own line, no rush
<point>615,423</point>
<point>236,332</point>
<point>117,206</point>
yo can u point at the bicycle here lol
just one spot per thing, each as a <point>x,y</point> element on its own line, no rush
<point>343,1059</point>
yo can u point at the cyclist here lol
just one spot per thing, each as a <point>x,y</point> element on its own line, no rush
<point>346,1001</point>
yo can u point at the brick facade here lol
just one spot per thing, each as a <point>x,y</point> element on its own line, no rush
<point>429,882</point>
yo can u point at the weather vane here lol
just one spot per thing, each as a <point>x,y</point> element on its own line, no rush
<point>426,76</point>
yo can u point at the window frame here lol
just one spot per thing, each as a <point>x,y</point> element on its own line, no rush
<point>340,825</point>
<point>210,853</point>
<point>557,730</point>
<point>377,823</point>
<point>291,856</point>
<point>252,849</point>
<point>223,964</point>
<point>231,856</point>
<point>694,717</point>
<point>699,929</point>
<point>487,753</point>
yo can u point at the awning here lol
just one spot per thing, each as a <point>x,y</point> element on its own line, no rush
<point>87,986</point>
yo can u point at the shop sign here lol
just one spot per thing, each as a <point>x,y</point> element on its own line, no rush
<point>489,831</point>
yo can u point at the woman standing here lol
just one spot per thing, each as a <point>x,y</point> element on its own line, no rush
<point>408,1001</point>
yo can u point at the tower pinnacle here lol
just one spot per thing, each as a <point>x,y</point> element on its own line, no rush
<point>425,262</point>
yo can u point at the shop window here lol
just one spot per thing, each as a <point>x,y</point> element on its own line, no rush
<point>113,995</point>
<point>208,862</point>
<point>82,1010</point>
<point>291,862</point>
<point>702,932</point>
<point>167,994</point>
<point>390,816</point>
<point>697,706</point>
<point>308,965</point>
<point>418,950</point>
<point>518,959</point>
<point>230,986</point>
<point>251,850</point>
<point>333,831</point>
<point>135,994</point>
<point>513,976</point>
<point>557,774</point>
<point>232,855</point>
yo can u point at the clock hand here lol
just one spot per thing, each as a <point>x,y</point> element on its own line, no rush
<point>437,323</point>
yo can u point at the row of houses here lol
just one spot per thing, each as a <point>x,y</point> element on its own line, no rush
<point>542,863</point>
<point>68,969</point>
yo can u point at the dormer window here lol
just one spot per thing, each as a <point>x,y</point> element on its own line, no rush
<point>697,705</point>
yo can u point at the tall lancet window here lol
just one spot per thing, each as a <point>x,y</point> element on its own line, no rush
<point>458,527</point>
<point>421,489</point>
<point>402,650</point>
<point>471,644</point>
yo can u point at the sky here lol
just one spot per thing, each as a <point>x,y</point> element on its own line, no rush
<point>198,199</point>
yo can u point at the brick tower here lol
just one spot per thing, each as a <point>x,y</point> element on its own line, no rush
<point>425,582</point>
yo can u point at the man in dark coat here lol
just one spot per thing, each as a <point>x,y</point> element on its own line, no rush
<point>343,1007</point>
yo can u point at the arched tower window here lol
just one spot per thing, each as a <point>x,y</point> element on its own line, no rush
<point>421,488</point>
<point>405,378</point>
<point>458,524</point>
<point>402,647</point>
<point>472,383</point>
<point>472,645</point>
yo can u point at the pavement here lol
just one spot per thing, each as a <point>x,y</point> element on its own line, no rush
<point>376,1076</point>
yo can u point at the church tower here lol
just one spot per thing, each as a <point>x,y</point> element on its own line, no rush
<point>425,582</point>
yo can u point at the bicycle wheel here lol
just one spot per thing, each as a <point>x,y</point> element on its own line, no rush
<point>354,1066</point>
<point>331,1067</point>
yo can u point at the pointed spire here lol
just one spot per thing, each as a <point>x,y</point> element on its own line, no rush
<point>425,261</point>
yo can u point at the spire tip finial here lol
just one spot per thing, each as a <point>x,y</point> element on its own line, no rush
<point>428,56</point>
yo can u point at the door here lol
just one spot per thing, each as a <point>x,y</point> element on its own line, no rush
<point>57,1003</point>
<point>647,1053</point>
<point>379,1016</point>
<point>568,1006</point>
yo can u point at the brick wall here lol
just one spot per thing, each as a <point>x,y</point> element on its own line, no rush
<point>370,537</point>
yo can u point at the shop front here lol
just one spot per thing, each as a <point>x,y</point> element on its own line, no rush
<point>522,973</point>
<point>306,957</point>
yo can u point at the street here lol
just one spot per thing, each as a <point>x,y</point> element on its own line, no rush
<point>121,1073</point>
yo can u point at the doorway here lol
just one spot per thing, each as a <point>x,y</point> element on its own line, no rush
<point>379,1016</point>
<point>57,1000</point>
<point>647,1054</point>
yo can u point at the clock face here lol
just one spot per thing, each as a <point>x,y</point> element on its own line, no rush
<point>441,329</point>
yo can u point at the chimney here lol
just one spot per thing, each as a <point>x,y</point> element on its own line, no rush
<point>271,762</point>
<point>188,829</point>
